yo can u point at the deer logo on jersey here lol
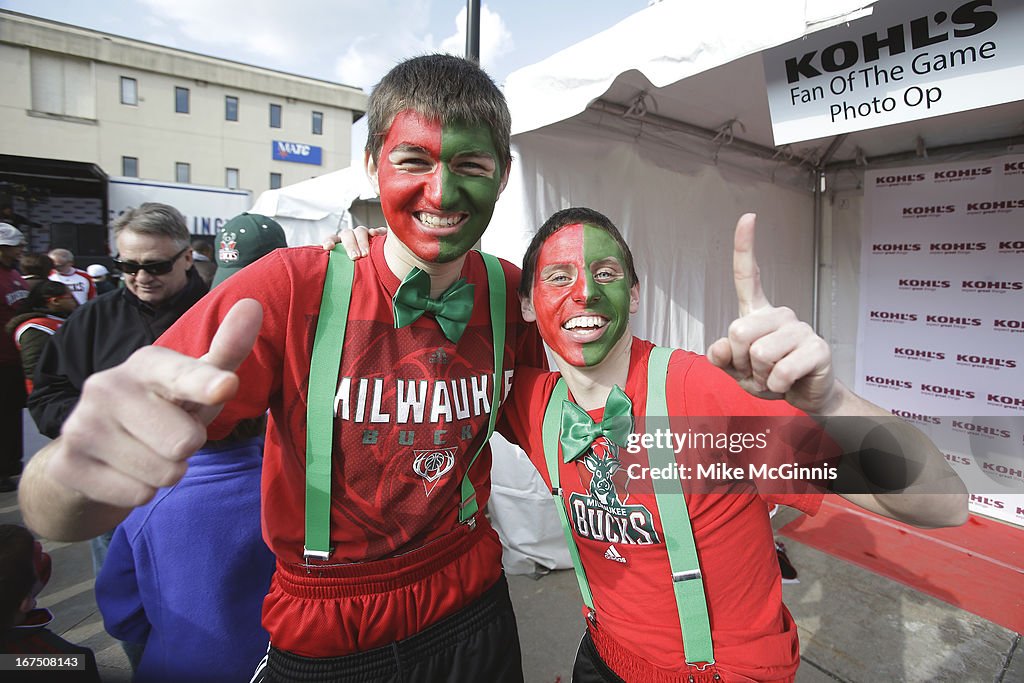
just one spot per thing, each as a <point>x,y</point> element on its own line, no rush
<point>604,513</point>
<point>432,465</point>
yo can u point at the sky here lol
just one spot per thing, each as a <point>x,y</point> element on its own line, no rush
<point>353,42</point>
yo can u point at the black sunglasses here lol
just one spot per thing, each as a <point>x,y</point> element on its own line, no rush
<point>153,267</point>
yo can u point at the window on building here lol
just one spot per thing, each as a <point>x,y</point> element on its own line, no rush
<point>275,116</point>
<point>62,85</point>
<point>318,123</point>
<point>130,167</point>
<point>230,108</point>
<point>275,181</point>
<point>129,90</point>
<point>231,178</point>
<point>182,172</point>
<point>181,100</point>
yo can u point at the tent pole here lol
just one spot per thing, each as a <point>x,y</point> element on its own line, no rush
<point>819,225</point>
<point>819,212</point>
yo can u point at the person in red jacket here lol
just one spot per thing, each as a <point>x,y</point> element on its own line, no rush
<point>47,307</point>
<point>386,566</point>
<point>78,281</point>
<point>655,613</point>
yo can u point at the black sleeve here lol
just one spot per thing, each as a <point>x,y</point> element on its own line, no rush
<point>60,373</point>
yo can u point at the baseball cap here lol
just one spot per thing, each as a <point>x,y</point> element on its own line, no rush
<point>10,236</point>
<point>244,239</point>
<point>97,270</point>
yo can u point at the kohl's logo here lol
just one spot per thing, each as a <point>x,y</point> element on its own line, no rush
<point>986,502</point>
<point>1002,205</point>
<point>946,392</point>
<point>984,361</point>
<point>921,354</point>
<point>1011,247</point>
<point>1014,402</point>
<point>956,247</point>
<point>1005,325</point>
<point>991,286</point>
<point>894,248</point>
<point>952,321</point>
<point>892,316</point>
<point>980,430</point>
<point>960,174</point>
<point>907,179</point>
<point>921,284</point>
<point>887,382</point>
<point>917,417</point>
<point>969,19</point>
<point>927,211</point>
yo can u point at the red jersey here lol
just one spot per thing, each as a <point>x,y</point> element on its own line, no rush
<point>621,540</point>
<point>79,282</point>
<point>411,407</point>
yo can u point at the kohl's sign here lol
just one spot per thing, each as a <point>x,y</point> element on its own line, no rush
<point>908,60</point>
<point>297,152</point>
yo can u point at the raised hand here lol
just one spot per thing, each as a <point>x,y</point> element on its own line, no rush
<point>136,424</point>
<point>768,350</point>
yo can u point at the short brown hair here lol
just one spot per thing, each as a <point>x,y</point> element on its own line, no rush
<point>442,87</point>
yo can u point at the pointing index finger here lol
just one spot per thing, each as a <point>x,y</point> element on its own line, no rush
<point>744,267</point>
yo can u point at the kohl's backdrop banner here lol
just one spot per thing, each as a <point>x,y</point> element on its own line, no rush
<point>941,328</point>
<point>908,60</point>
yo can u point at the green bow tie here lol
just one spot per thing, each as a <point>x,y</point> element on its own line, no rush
<point>452,310</point>
<point>579,431</point>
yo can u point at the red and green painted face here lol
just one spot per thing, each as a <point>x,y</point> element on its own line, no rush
<point>438,185</point>
<point>581,294</point>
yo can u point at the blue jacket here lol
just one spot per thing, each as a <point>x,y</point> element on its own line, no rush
<point>186,574</point>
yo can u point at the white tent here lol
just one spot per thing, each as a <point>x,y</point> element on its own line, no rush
<point>317,207</point>
<point>662,123</point>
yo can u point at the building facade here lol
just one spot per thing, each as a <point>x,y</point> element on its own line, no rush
<point>145,111</point>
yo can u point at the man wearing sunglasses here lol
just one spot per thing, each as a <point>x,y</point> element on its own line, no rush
<point>160,285</point>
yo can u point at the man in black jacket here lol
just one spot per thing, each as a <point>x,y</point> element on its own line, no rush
<point>160,285</point>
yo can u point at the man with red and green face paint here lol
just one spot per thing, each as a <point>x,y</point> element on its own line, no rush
<point>409,586</point>
<point>580,285</point>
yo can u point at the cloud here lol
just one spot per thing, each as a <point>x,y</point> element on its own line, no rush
<point>302,36</point>
<point>371,56</point>
<point>495,38</point>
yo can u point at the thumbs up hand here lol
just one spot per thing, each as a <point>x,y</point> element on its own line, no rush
<point>136,424</point>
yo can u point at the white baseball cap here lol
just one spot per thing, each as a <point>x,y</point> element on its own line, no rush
<point>97,270</point>
<point>10,236</point>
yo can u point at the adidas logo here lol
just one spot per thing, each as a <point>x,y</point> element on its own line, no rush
<point>613,554</point>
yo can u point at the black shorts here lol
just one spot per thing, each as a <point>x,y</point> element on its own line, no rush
<point>480,642</point>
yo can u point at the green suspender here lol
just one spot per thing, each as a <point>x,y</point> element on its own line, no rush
<point>323,381</point>
<point>496,288</point>
<point>552,429</point>
<point>687,582</point>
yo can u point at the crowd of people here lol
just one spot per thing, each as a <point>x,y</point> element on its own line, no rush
<point>284,477</point>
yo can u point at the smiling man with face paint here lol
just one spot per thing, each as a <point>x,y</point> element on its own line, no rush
<point>386,570</point>
<point>647,563</point>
